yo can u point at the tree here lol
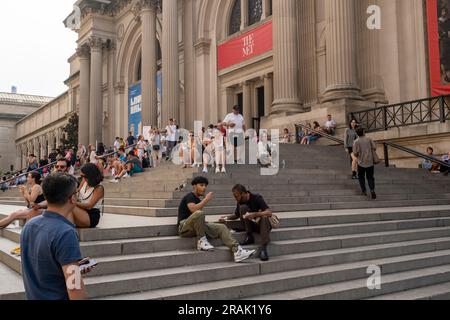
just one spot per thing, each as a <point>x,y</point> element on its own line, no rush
<point>70,139</point>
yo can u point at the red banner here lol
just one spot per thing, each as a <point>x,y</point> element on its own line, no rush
<point>439,46</point>
<point>246,46</point>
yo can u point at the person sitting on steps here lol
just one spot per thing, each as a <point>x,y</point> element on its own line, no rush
<point>254,213</point>
<point>32,196</point>
<point>87,212</point>
<point>191,222</point>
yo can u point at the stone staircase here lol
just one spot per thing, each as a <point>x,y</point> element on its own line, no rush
<point>329,235</point>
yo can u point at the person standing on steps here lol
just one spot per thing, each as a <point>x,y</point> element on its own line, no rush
<point>363,149</point>
<point>350,137</point>
<point>254,214</point>
<point>191,222</point>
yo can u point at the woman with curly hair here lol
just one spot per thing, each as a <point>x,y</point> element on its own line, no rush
<point>90,197</point>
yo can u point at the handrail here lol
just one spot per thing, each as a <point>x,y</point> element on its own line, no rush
<point>116,152</point>
<point>323,134</point>
<point>385,117</point>
<point>53,163</point>
<point>26,173</point>
<point>410,151</point>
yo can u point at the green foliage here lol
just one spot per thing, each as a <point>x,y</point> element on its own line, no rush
<point>71,133</point>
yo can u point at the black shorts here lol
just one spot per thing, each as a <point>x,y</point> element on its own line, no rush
<point>94,217</point>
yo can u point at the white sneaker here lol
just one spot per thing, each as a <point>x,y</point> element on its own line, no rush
<point>204,245</point>
<point>243,254</point>
<point>126,176</point>
<point>223,170</point>
<point>217,170</point>
<point>114,181</point>
<point>205,170</point>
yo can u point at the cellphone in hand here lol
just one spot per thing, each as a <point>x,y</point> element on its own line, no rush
<point>87,264</point>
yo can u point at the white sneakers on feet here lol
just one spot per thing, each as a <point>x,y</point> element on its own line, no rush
<point>205,170</point>
<point>126,175</point>
<point>243,254</point>
<point>223,170</point>
<point>114,181</point>
<point>217,170</point>
<point>204,245</point>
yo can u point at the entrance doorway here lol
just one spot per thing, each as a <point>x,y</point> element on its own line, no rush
<point>240,102</point>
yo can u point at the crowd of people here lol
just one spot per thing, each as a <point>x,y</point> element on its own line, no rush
<point>307,136</point>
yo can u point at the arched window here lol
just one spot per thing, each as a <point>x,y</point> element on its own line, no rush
<point>255,11</point>
<point>235,20</point>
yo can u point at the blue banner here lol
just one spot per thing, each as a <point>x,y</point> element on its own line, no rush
<point>135,109</point>
<point>159,95</point>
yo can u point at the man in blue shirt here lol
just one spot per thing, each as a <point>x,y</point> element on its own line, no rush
<point>50,246</point>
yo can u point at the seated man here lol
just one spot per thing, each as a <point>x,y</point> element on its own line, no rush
<point>254,213</point>
<point>191,222</point>
<point>330,125</point>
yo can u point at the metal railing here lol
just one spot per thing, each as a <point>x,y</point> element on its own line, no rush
<point>410,151</point>
<point>429,110</point>
<point>298,127</point>
<point>53,163</point>
<point>26,173</point>
<point>386,146</point>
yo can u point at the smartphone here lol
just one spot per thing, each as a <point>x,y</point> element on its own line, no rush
<point>87,263</point>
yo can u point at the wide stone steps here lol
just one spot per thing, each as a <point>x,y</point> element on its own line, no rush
<point>434,292</point>
<point>357,289</point>
<point>225,210</point>
<point>312,280</point>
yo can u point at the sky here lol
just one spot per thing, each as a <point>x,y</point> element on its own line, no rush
<point>35,46</point>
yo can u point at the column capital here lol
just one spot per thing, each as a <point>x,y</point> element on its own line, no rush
<point>83,52</point>
<point>96,43</point>
<point>153,5</point>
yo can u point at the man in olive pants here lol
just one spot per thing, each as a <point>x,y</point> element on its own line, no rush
<point>192,223</point>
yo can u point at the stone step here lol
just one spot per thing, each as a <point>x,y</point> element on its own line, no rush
<point>224,210</point>
<point>419,266</point>
<point>178,258</point>
<point>169,243</point>
<point>229,201</point>
<point>358,289</point>
<point>288,219</point>
<point>434,292</point>
<point>148,261</point>
<point>278,184</point>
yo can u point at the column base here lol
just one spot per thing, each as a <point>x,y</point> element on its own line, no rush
<point>375,95</point>
<point>333,93</point>
<point>288,107</point>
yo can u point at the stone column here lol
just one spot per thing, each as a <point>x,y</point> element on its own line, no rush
<point>268,94</point>
<point>368,48</point>
<point>149,67</point>
<point>83,129</point>
<point>341,51</point>
<point>96,91</point>
<point>170,62</point>
<point>266,9</point>
<point>244,14</point>
<point>247,104</point>
<point>285,56</point>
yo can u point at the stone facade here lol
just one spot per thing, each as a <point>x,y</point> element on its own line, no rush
<point>324,60</point>
<point>42,131</point>
<point>14,107</point>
